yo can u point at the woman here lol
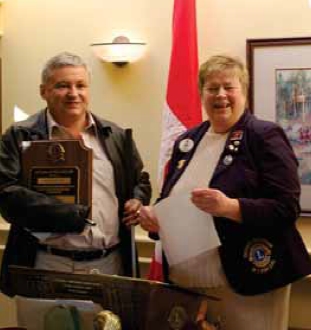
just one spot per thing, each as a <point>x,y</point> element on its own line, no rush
<point>245,176</point>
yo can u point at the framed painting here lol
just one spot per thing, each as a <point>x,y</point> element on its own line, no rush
<point>280,91</point>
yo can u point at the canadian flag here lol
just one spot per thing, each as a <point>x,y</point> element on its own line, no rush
<point>182,108</point>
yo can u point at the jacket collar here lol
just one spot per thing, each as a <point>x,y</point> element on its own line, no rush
<point>196,134</point>
<point>36,125</point>
<point>234,142</point>
<point>104,126</point>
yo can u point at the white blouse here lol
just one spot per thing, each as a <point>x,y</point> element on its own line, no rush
<point>203,271</point>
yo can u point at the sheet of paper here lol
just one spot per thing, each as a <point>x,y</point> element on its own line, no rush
<point>185,231</point>
<point>41,236</point>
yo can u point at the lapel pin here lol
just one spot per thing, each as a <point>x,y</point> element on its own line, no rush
<point>181,163</point>
<point>228,160</point>
<point>186,145</point>
<point>236,135</point>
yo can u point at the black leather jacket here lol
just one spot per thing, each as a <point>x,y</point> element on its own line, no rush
<point>27,210</point>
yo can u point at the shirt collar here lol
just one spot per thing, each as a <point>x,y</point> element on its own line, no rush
<point>51,123</point>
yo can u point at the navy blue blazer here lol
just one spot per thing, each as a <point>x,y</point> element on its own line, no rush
<point>259,168</point>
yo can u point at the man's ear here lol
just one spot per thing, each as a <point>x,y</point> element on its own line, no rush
<point>42,91</point>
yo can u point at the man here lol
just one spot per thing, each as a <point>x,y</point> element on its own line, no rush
<point>105,240</point>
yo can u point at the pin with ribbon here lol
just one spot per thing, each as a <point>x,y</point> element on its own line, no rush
<point>236,135</point>
<point>186,145</point>
<point>235,141</point>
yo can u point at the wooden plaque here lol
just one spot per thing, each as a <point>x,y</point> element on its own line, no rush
<point>140,304</point>
<point>59,168</point>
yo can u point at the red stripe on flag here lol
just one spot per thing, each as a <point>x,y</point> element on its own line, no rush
<point>182,90</point>
<point>182,94</point>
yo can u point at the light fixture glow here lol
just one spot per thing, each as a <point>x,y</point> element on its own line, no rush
<point>120,51</point>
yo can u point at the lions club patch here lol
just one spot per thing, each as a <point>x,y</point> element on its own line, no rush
<point>258,252</point>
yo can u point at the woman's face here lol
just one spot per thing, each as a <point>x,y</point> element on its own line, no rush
<point>223,99</point>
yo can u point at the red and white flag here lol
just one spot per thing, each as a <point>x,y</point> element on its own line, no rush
<point>182,108</point>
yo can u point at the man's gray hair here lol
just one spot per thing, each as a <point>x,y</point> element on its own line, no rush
<point>59,61</point>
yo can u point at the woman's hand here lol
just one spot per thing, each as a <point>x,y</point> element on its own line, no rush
<point>131,212</point>
<point>148,220</point>
<point>216,203</point>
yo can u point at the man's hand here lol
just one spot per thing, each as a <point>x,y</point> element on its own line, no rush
<point>148,219</point>
<point>201,322</point>
<point>131,212</point>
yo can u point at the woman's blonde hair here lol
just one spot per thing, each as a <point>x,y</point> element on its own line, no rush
<point>220,63</point>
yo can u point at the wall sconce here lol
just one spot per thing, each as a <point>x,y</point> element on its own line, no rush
<point>120,51</point>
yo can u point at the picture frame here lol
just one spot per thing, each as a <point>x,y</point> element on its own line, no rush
<point>280,84</point>
<point>0,96</point>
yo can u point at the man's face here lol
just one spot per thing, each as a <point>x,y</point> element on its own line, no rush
<point>67,93</point>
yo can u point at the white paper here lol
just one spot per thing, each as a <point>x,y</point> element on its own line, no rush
<point>42,236</point>
<point>185,230</point>
<point>203,271</point>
